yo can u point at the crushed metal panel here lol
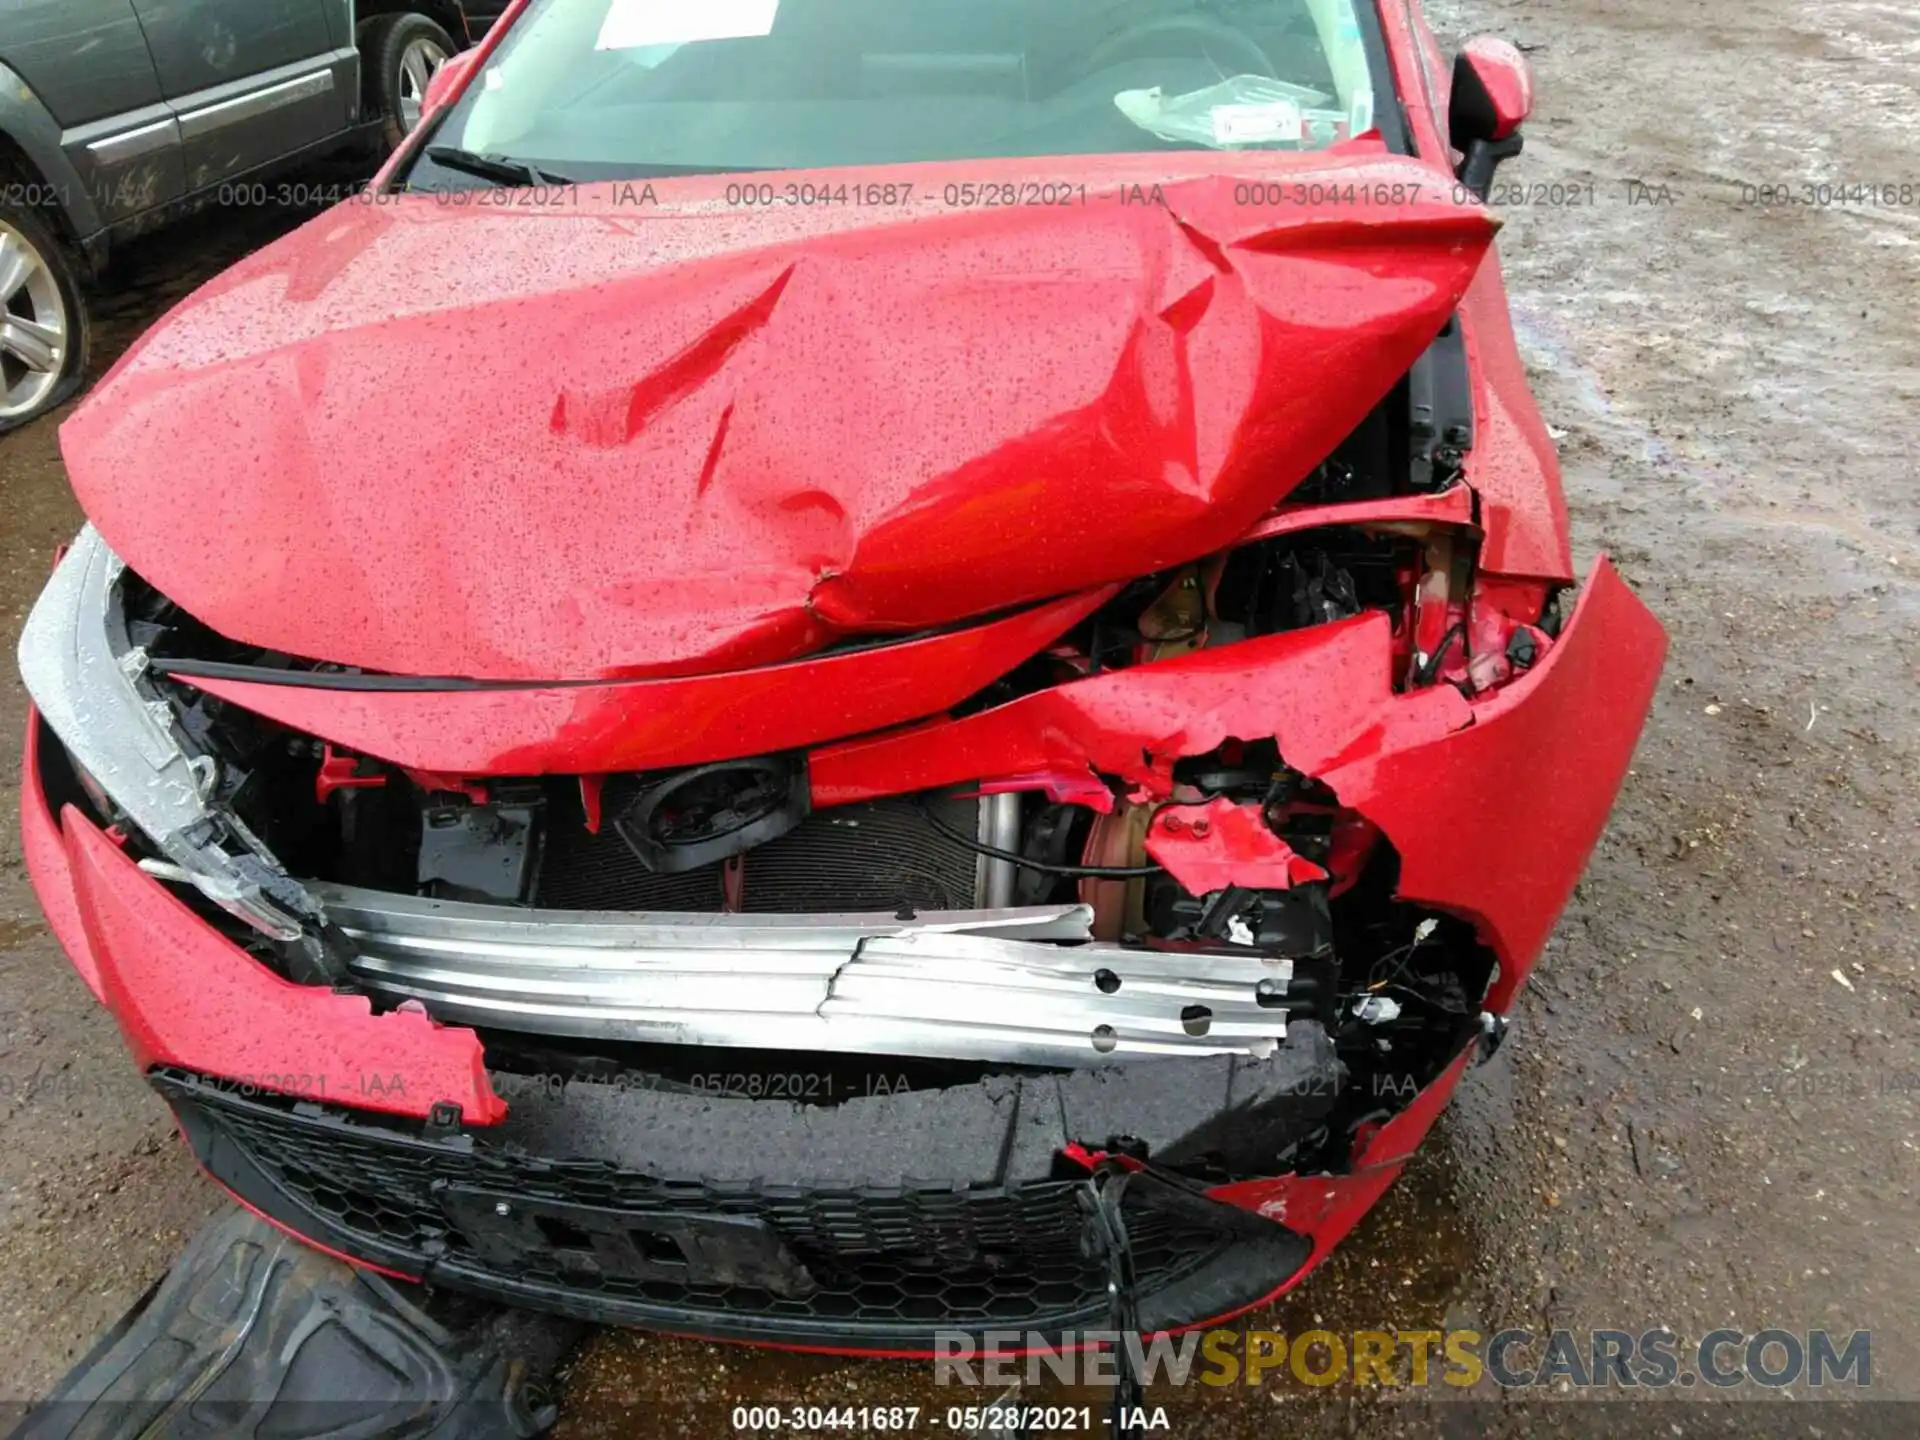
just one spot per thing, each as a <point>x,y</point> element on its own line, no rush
<point>724,472</point>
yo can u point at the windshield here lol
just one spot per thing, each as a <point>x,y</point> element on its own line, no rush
<point>599,89</point>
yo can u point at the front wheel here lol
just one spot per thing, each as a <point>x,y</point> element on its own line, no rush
<point>43,322</point>
<point>399,54</point>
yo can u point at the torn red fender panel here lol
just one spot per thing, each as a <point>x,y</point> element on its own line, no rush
<point>737,433</point>
<point>1209,847</point>
<point>1326,694</point>
<point>1496,821</point>
<point>184,995</point>
<point>47,865</point>
<point>647,724</point>
<point>1513,466</point>
<point>1493,806</point>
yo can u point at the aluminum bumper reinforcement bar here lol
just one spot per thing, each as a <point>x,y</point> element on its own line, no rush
<point>1016,986</point>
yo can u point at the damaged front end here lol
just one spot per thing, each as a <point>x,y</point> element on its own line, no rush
<point>1220,876</point>
<point>881,722</point>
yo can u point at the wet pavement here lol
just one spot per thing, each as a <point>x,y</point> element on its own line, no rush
<point>1707,1114</point>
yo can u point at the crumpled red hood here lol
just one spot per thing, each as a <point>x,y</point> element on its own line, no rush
<point>602,438</point>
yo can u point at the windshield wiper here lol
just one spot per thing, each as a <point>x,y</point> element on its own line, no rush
<point>501,169</point>
<point>667,172</point>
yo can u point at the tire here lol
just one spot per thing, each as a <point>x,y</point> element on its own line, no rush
<point>43,319</point>
<point>398,55</point>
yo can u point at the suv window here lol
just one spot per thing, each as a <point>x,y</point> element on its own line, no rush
<point>598,89</point>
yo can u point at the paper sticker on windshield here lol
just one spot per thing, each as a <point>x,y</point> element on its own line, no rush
<point>632,24</point>
<point>1256,124</point>
<point>1323,127</point>
<point>1362,119</point>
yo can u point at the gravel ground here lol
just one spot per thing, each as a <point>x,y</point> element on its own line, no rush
<point>1707,1113</point>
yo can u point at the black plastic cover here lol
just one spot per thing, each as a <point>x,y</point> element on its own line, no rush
<point>252,1334</point>
<point>869,1225</point>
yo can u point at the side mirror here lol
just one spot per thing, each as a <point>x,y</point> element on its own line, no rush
<point>451,75</point>
<point>1492,97</point>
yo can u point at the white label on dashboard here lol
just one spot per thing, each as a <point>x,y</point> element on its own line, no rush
<point>1260,123</point>
<point>633,24</point>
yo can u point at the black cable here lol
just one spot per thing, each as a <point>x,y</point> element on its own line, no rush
<point>1105,1238</point>
<point>1087,872</point>
<point>1424,675</point>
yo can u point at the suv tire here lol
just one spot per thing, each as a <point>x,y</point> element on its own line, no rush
<point>43,318</point>
<point>398,55</point>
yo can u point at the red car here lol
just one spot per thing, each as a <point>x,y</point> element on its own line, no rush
<point>954,671</point>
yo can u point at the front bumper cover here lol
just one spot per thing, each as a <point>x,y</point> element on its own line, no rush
<point>1492,804</point>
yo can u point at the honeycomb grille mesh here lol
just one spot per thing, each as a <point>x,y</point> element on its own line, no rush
<point>997,1255</point>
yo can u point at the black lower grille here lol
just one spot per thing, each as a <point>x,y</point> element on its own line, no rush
<point>877,1261</point>
<point>878,856</point>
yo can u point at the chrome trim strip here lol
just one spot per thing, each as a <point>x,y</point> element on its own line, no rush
<point>994,985</point>
<point>196,124</point>
<point>132,144</point>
